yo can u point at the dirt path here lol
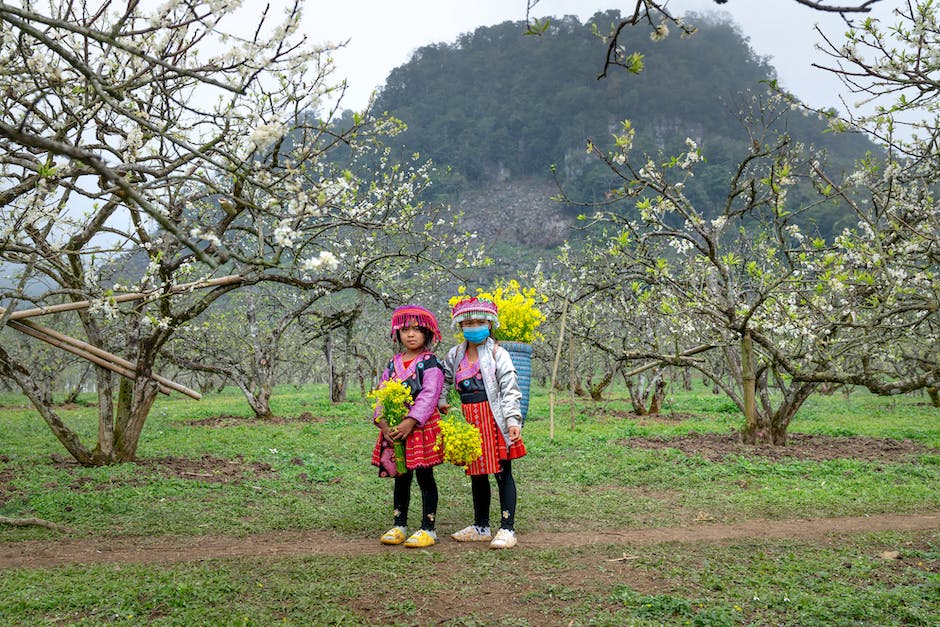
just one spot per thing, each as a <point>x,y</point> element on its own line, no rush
<point>173,549</point>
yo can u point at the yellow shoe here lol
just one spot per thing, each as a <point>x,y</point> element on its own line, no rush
<point>395,535</point>
<point>420,539</point>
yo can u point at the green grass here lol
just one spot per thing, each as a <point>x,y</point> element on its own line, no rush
<point>760,583</point>
<point>316,475</point>
<point>590,467</point>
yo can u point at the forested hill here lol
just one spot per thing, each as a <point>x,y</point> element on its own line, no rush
<point>496,107</point>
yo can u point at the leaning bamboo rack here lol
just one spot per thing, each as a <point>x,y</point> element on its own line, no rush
<point>18,320</point>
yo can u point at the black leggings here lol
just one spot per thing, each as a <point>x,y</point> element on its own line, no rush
<point>480,484</point>
<point>401,498</point>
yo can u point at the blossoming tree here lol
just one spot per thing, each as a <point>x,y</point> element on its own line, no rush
<point>787,310</point>
<point>251,340</point>
<point>148,149</point>
<point>892,68</point>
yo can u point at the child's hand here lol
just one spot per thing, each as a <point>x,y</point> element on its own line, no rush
<point>403,429</point>
<point>515,433</point>
<point>443,409</point>
<point>386,430</point>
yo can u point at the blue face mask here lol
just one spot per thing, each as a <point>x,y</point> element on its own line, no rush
<point>476,335</point>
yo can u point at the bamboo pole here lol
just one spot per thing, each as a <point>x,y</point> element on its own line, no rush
<point>104,363</point>
<point>122,298</point>
<point>551,394</point>
<point>571,382</point>
<point>110,357</point>
<point>97,355</point>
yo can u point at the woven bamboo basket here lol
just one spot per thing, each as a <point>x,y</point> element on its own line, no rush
<point>521,355</point>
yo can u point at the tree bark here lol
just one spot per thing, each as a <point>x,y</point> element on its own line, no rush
<point>659,393</point>
<point>756,427</point>
<point>72,394</point>
<point>934,393</point>
<point>142,393</point>
<point>785,412</point>
<point>637,397</point>
<point>596,390</point>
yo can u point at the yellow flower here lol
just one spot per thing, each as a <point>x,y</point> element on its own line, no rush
<point>519,317</point>
<point>394,397</point>
<point>461,441</point>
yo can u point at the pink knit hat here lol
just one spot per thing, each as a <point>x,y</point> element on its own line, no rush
<point>475,309</point>
<point>407,315</point>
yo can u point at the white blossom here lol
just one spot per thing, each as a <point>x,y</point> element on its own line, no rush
<point>660,32</point>
<point>326,260</point>
<point>266,135</point>
<point>285,234</point>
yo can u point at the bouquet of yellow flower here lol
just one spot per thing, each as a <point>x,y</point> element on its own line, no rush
<point>394,399</point>
<point>519,317</point>
<point>461,441</point>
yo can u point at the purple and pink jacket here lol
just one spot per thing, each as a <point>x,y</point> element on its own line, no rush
<point>425,377</point>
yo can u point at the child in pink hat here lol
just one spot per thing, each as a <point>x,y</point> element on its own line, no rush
<point>414,332</point>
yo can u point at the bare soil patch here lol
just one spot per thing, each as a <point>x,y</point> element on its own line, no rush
<point>716,447</point>
<point>535,595</point>
<point>7,491</point>
<point>174,549</point>
<point>204,468</point>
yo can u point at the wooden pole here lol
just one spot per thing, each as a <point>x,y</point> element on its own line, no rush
<point>104,363</point>
<point>571,381</point>
<point>551,394</point>
<point>121,298</point>
<point>94,354</point>
<point>110,357</point>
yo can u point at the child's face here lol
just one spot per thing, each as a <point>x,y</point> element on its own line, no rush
<point>412,337</point>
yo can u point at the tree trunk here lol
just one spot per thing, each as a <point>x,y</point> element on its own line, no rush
<point>67,437</point>
<point>335,380</point>
<point>788,408</point>
<point>132,414</point>
<point>659,393</point>
<point>934,393</point>
<point>260,403</point>
<point>72,394</point>
<point>756,425</point>
<point>338,388</point>
<point>597,389</point>
<point>637,397</point>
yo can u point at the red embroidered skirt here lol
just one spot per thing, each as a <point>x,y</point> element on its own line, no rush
<point>419,446</point>
<point>494,445</point>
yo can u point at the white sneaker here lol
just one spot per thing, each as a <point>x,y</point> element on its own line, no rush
<point>505,539</point>
<point>472,533</point>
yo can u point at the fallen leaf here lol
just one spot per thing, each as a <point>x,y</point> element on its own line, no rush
<point>704,517</point>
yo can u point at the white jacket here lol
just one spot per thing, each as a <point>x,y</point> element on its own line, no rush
<point>499,380</point>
